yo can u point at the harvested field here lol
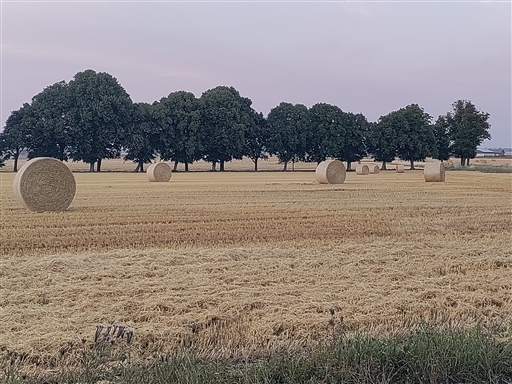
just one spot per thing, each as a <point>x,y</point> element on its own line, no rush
<point>229,263</point>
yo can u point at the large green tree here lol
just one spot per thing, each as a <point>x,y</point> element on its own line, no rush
<point>354,148</point>
<point>179,120</point>
<point>467,127</point>
<point>141,138</point>
<point>414,135</point>
<point>256,138</point>
<point>289,132</point>
<point>327,132</point>
<point>382,139</point>
<point>99,113</point>
<point>225,118</point>
<point>50,132</point>
<point>17,132</point>
<point>442,137</point>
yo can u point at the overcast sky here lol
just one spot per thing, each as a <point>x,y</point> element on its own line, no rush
<point>368,57</point>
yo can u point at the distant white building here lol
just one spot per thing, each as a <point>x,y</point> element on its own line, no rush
<point>485,152</point>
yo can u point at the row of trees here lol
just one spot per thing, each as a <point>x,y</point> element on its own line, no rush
<point>92,118</point>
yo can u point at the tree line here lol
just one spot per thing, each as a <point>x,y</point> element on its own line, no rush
<point>92,118</point>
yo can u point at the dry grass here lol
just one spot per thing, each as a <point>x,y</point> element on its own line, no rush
<point>234,262</point>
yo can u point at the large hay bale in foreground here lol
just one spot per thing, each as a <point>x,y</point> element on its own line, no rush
<point>330,172</point>
<point>44,184</point>
<point>159,172</point>
<point>362,169</point>
<point>434,171</point>
<point>374,168</point>
<point>400,168</point>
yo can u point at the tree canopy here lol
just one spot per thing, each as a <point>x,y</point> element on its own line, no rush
<point>99,113</point>
<point>326,132</point>
<point>50,130</point>
<point>442,139</point>
<point>289,126</point>
<point>414,135</point>
<point>92,118</point>
<point>179,118</point>
<point>467,127</point>
<point>355,146</point>
<point>382,139</point>
<point>17,133</point>
<point>257,136</point>
<point>141,136</point>
<point>225,118</point>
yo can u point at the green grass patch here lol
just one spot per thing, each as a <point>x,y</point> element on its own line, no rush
<point>482,168</point>
<point>428,355</point>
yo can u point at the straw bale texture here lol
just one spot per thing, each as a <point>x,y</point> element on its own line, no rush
<point>330,172</point>
<point>362,169</point>
<point>44,184</point>
<point>159,172</point>
<point>434,171</point>
<point>400,168</point>
<point>374,168</point>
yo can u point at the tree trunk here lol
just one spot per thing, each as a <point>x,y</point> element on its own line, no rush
<point>16,157</point>
<point>467,161</point>
<point>175,166</point>
<point>383,166</point>
<point>255,165</point>
<point>186,167</point>
<point>222,166</point>
<point>140,167</point>
<point>214,166</point>
<point>349,163</point>
<point>91,167</point>
<point>462,161</point>
<point>412,165</point>
<point>285,168</point>
<point>98,166</point>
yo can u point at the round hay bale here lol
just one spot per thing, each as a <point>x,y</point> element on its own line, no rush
<point>44,184</point>
<point>330,172</point>
<point>159,172</point>
<point>374,168</point>
<point>400,168</point>
<point>362,169</point>
<point>434,171</point>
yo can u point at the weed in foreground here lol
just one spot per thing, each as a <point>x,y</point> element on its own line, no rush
<point>428,355</point>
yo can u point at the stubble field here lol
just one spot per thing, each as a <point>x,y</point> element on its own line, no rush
<point>236,263</point>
